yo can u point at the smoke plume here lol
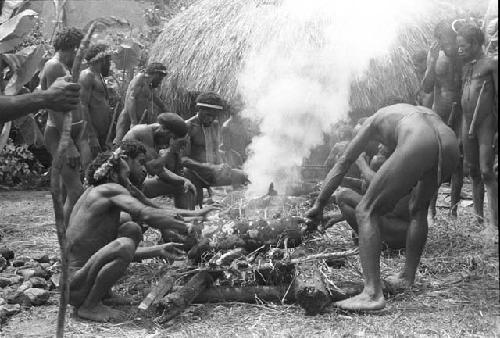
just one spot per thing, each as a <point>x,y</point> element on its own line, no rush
<point>296,81</point>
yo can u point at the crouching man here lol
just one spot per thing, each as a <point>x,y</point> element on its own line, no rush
<point>100,246</point>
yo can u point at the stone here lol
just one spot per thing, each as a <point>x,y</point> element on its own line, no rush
<point>6,253</point>
<point>7,279</point>
<point>9,310</point>
<point>38,282</point>
<point>25,286</point>
<point>19,262</point>
<point>37,296</point>
<point>27,273</point>
<point>3,263</point>
<point>43,259</point>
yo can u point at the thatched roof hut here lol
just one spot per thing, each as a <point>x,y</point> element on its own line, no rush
<point>204,49</point>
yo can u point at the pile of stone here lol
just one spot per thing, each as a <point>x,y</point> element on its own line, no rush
<point>25,282</point>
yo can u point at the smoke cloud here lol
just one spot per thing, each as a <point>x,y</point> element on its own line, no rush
<point>297,82</point>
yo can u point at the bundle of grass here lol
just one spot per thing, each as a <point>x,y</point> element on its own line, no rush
<point>205,48</point>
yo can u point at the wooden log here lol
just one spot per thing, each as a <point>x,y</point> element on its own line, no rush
<point>309,289</point>
<point>248,294</point>
<point>164,285</point>
<point>175,303</point>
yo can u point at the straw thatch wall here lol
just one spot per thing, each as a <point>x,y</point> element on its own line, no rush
<point>204,49</point>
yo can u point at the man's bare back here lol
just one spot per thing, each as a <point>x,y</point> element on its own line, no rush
<point>94,97</point>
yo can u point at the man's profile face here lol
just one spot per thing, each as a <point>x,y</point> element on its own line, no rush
<point>207,117</point>
<point>449,46</point>
<point>466,50</point>
<point>137,170</point>
<point>156,79</point>
<point>106,66</point>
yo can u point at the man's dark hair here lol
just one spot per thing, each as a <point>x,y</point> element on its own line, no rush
<point>210,98</point>
<point>444,30</point>
<point>156,67</point>
<point>471,33</point>
<point>67,38</point>
<point>130,148</point>
<point>174,123</point>
<point>94,50</point>
<point>96,164</point>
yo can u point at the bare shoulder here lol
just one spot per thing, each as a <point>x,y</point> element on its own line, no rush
<point>54,67</point>
<point>110,190</point>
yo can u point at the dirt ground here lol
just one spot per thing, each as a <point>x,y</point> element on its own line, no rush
<point>457,293</point>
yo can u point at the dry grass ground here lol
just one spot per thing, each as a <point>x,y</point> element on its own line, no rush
<point>457,294</point>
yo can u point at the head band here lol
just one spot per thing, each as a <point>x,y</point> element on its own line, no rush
<point>99,56</point>
<point>212,106</point>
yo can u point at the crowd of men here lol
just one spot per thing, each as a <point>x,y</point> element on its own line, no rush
<point>390,170</point>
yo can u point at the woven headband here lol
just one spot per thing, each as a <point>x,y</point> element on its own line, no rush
<point>210,106</point>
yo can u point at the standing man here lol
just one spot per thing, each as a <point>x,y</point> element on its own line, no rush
<point>424,152</point>
<point>66,43</point>
<point>443,78</point>
<point>94,96</point>
<point>140,99</point>
<point>480,119</point>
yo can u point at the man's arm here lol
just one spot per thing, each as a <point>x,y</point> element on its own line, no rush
<point>131,100</point>
<point>160,219</point>
<point>61,96</point>
<point>365,169</point>
<point>87,85</point>
<point>430,73</point>
<point>157,100</point>
<point>335,176</point>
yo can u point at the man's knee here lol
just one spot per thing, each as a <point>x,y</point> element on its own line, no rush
<point>132,231</point>
<point>363,212</point>
<point>487,174</point>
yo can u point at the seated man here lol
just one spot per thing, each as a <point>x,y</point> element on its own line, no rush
<point>100,247</point>
<point>424,152</point>
<point>203,163</point>
<point>393,225</point>
<point>165,181</point>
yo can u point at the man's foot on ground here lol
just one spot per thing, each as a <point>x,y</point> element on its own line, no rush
<point>100,313</point>
<point>362,302</point>
<point>397,283</point>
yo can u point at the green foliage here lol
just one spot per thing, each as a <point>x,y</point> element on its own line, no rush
<point>18,166</point>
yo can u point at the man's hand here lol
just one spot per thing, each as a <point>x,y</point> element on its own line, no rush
<point>95,148</point>
<point>189,187</point>
<point>62,95</point>
<point>315,215</point>
<point>170,251</point>
<point>434,53</point>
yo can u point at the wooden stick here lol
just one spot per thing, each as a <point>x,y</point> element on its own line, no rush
<point>61,219</point>
<point>164,285</point>
<point>475,117</point>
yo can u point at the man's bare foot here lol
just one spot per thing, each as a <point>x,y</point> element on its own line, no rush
<point>397,283</point>
<point>362,302</point>
<point>100,313</point>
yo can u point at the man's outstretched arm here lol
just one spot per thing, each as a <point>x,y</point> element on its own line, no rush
<point>160,219</point>
<point>61,96</point>
<point>336,175</point>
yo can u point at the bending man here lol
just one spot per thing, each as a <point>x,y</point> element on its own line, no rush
<point>424,152</point>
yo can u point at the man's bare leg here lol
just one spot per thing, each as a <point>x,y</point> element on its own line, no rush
<point>486,136</point>
<point>416,236</point>
<point>457,182</point>
<point>471,161</point>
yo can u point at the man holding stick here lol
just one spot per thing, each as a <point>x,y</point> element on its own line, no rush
<point>480,120</point>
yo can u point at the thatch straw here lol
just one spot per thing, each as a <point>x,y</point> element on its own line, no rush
<point>204,49</point>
